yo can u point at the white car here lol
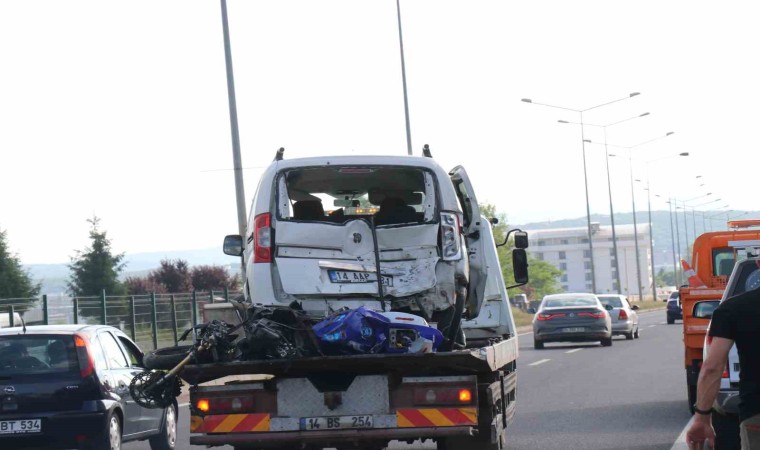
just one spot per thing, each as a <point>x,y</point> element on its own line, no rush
<point>385,232</point>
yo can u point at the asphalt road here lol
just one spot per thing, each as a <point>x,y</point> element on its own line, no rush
<point>630,396</point>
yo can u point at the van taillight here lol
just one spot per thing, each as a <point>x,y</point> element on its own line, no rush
<point>262,238</point>
<point>86,366</point>
<point>451,247</point>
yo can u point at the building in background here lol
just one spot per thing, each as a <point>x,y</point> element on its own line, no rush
<point>567,249</point>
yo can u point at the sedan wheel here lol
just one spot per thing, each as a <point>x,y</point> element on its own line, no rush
<point>538,345</point>
<point>636,333</point>
<point>167,439</point>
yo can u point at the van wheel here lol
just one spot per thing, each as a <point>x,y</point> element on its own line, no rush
<point>671,321</point>
<point>167,438</point>
<point>607,342</point>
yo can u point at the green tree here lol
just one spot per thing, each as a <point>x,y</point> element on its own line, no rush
<point>543,277</point>
<point>665,278</point>
<point>15,282</point>
<point>96,269</point>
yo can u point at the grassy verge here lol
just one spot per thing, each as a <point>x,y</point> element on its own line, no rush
<point>521,318</point>
<point>648,304</point>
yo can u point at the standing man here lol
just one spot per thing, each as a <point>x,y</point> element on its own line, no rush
<point>736,320</point>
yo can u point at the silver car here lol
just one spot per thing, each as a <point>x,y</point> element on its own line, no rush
<point>625,320</point>
<point>571,318</point>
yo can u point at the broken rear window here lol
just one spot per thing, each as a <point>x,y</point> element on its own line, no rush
<point>392,195</point>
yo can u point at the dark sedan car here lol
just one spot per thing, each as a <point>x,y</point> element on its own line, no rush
<point>673,309</point>
<point>571,318</point>
<point>68,387</point>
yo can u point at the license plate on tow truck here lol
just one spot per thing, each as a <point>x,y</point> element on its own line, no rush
<point>335,423</point>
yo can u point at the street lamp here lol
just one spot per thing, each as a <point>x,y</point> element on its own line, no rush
<point>609,190</point>
<point>403,81</point>
<point>673,237</point>
<point>651,225</point>
<point>633,204</point>
<point>585,173</point>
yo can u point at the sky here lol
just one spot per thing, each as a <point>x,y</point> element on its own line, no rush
<point>119,109</point>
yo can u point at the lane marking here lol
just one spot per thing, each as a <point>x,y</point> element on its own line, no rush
<point>663,323</point>
<point>182,405</point>
<point>651,326</point>
<point>525,334</point>
<point>680,443</point>
<point>540,361</point>
<point>574,350</point>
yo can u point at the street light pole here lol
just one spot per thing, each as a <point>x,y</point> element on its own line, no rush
<point>616,265</point>
<point>585,174</point>
<point>236,159</point>
<point>672,202</point>
<point>635,229</point>
<point>403,81</point>
<point>673,242</point>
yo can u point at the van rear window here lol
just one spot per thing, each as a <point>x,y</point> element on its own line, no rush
<point>392,195</point>
<point>37,354</point>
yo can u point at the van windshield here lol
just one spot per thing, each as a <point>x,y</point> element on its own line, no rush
<point>36,354</point>
<point>390,195</point>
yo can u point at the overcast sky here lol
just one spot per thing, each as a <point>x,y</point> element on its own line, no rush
<point>119,109</point>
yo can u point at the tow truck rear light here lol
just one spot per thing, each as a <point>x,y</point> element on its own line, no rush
<point>86,365</point>
<point>203,405</point>
<point>451,246</point>
<point>623,315</point>
<point>547,316</point>
<point>433,395</point>
<point>226,405</point>
<point>262,238</point>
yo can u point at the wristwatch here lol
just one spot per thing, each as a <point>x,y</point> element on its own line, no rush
<point>702,411</point>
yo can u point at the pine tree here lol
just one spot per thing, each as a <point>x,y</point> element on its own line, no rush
<point>96,269</point>
<point>15,282</point>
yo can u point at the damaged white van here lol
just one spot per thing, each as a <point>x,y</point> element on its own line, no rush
<point>392,233</point>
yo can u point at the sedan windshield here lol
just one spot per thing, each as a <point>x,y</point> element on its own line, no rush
<point>615,302</point>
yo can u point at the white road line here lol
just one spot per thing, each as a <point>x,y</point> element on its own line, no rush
<point>663,323</point>
<point>525,334</point>
<point>182,405</point>
<point>574,350</point>
<point>652,326</point>
<point>540,361</point>
<point>680,443</point>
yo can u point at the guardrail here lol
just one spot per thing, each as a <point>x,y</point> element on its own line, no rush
<point>151,320</point>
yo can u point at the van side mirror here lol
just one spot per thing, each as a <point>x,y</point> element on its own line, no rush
<point>635,307</point>
<point>521,239</point>
<point>520,266</point>
<point>233,245</point>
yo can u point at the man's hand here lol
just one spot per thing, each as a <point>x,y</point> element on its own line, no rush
<point>701,431</point>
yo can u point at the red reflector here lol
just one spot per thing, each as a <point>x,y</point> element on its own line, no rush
<point>80,438</point>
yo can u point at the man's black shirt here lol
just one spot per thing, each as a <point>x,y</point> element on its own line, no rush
<point>738,319</point>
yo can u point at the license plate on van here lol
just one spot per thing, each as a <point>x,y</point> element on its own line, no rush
<point>20,426</point>
<point>346,276</point>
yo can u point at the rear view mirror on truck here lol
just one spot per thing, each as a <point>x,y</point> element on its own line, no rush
<point>233,245</point>
<point>520,266</point>
<point>704,310</point>
<point>521,239</point>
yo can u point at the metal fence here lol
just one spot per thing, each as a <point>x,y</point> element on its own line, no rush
<point>152,320</point>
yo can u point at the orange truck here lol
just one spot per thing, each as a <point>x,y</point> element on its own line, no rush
<point>713,257</point>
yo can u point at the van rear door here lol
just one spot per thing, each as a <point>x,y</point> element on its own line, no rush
<point>472,226</point>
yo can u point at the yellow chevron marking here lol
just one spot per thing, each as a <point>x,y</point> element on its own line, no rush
<point>229,423</point>
<point>436,417</point>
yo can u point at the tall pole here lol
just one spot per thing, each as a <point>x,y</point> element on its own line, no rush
<point>588,209</point>
<point>686,234</point>
<point>635,228</point>
<point>694,222</point>
<point>651,240</point>
<point>403,81</point>
<point>612,215</point>
<point>676,275</point>
<point>236,160</point>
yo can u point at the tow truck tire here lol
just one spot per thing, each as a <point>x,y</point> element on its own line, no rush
<point>465,443</point>
<point>691,395</point>
<point>165,358</point>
